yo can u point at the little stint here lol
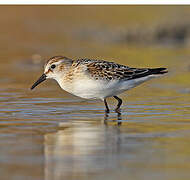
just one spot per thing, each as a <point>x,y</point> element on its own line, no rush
<point>95,79</point>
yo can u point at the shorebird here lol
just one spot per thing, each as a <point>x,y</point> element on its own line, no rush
<point>95,79</point>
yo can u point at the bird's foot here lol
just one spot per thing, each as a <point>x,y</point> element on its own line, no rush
<point>118,110</point>
<point>107,111</point>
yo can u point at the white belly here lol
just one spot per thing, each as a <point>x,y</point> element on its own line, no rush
<point>99,89</point>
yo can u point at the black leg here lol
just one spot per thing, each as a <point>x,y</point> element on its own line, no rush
<point>106,115</point>
<point>107,108</point>
<point>119,119</point>
<point>119,103</point>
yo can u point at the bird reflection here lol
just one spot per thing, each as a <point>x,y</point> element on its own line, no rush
<point>81,148</point>
<point>119,118</point>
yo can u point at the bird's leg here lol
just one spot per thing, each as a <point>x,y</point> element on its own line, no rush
<point>107,108</point>
<point>119,104</point>
<point>119,119</point>
<point>106,118</point>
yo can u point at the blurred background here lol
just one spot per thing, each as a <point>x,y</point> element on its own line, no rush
<point>52,135</point>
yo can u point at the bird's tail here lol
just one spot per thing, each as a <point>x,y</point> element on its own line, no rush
<point>158,71</point>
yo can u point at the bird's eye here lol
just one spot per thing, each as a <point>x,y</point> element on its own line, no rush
<point>52,66</point>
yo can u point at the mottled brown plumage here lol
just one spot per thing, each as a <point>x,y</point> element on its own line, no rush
<point>100,69</point>
<point>56,59</point>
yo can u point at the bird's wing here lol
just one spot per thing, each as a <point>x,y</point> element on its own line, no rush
<point>99,69</point>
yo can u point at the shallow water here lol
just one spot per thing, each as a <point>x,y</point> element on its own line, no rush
<point>52,135</point>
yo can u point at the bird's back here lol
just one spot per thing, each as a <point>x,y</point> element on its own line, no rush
<point>105,70</point>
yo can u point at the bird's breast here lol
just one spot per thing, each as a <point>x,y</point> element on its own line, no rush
<point>89,88</point>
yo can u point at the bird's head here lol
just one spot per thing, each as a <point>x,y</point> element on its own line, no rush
<point>55,68</point>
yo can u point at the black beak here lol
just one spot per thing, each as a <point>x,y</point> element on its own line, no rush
<point>41,79</point>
